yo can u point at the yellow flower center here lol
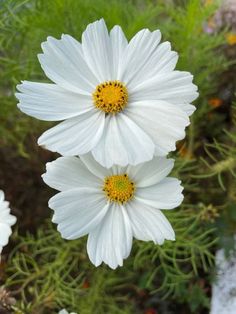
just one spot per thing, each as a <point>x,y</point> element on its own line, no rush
<point>119,188</point>
<point>111,96</point>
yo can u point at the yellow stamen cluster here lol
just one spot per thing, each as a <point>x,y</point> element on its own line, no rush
<point>119,188</point>
<point>111,97</point>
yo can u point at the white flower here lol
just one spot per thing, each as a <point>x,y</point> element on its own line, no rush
<point>65,312</point>
<point>122,101</point>
<point>112,205</point>
<point>6,221</point>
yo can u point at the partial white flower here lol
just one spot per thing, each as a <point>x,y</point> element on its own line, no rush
<point>64,311</point>
<point>112,205</point>
<point>6,221</point>
<point>121,100</point>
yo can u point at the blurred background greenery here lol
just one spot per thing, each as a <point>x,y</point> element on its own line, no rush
<point>42,273</point>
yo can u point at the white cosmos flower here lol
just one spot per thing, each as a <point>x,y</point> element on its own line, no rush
<point>6,221</point>
<point>113,95</point>
<point>112,205</point>
<point>64,311</point>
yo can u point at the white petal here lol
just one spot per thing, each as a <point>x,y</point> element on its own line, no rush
<point>50,102</point>
<point>118,45</point>
<point>10,220</point>
<point>145,58</point>
<point>122,143</point>
<point>151,172</point>
<point>1,196</point>
<point>97,51</point>
<point>68,173</point>
<point>78,211</point>
<point>6,217</point>
<point>162,61</point>
<point>115,169</point>
<point>189,109</point>
<point>94,167</point>
<point>5,232</point>
<point>136,55</point>
<point>111,241</point>
<point>63,62</point>
<point>149,224</point>
<point>4,206</point>
<point>162,121</point>
<point>166,194</point>
<point>75,136</point>
<point>175,87</point>
<point>64,311</point>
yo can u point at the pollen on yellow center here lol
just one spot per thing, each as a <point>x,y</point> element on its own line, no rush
<point>110,97</point>
<point>119,188</point>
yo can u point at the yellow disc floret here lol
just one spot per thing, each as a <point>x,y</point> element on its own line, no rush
<point>119,188</point>
<point>111,96</point>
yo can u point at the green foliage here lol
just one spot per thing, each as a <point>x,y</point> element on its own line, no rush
<point>47,273</point>
<point>219,166</point>
<point>222,160</point>
<point>191,246</point>
<point>196,297</point>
